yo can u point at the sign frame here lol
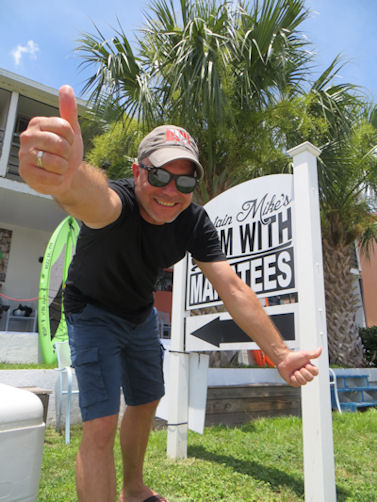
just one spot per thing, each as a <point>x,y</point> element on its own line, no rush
<point>319,469</point>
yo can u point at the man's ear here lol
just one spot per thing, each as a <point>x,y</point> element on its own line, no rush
<point>136,170</point>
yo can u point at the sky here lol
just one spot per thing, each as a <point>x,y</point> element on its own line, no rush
<point>38,37</point>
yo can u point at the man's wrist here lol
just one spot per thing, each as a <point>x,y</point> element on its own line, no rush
<point>280,354</point>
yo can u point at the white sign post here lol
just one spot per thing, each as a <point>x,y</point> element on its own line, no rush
<point>319,471</point>
<point>179,370</point>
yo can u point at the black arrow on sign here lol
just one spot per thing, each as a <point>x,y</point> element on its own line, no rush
<point>217,331</point>
<point>227,331</point>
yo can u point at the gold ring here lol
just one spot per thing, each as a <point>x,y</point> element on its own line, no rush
<point>40,159</point>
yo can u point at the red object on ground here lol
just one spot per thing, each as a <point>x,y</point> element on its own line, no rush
<point>261,359</point>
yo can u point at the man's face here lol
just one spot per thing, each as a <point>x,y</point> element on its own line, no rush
<point>161,205</point>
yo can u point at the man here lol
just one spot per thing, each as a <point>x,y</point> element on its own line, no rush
<point>131,231</point>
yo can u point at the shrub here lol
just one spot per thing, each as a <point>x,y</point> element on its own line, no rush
<point>369,339</point>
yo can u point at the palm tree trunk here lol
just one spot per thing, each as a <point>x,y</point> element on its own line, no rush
<point>342,302</point>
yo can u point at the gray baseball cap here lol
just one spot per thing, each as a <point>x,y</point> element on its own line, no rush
<point>167,143</point>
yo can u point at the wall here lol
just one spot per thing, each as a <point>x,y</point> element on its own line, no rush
<point>20,347</point>
<point>163,300</point>
<point>22,278</point>
<point>369,278</point>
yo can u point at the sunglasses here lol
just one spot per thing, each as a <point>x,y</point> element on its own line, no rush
<point>159,177</point>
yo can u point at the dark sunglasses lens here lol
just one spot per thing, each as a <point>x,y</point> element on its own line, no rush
<point>185,184</point>
<point>158,177</point>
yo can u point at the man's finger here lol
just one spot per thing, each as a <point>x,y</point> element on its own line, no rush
<point>68,106</point>
<point>315,353</point>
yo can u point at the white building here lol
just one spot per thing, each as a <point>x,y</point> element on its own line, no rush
<point>27,218</point>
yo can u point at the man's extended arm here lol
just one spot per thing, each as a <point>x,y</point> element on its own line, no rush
<point>246,310</point>
<point>80,189</point>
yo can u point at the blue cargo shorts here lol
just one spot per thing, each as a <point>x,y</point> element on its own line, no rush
<point>109,352</point>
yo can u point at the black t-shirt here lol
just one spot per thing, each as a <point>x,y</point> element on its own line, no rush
<point>116,267</point>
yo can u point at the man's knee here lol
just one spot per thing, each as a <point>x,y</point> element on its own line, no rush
<point>100,432</point>
<point>142,411</point>
<point>151,407</point>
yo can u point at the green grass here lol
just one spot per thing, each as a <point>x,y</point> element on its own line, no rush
<point>24,366</point>
<point>261,461</point>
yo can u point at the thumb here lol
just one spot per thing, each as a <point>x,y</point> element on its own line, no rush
<point>315,353</point>
<point>68,107</point>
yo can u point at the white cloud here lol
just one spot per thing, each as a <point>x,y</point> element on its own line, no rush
<point>30,48</point>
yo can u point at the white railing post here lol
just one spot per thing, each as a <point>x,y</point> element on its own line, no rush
<point>319,470</point>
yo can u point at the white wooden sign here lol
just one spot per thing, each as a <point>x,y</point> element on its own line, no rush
<point>254,221</point>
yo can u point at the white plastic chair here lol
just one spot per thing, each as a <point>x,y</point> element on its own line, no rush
<point>333,383</point>
<point>63,353</point>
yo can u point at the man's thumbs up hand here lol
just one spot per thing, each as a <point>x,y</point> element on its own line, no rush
<point>51,148</point>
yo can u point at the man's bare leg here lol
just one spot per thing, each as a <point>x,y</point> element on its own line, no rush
<point>95,472</point>
<point>134,433</point>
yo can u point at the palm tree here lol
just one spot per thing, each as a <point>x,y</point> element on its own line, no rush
<point>213,67</point>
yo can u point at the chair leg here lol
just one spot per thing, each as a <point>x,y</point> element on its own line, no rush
<point>60,404</point>
<point>67,419</point>
<point>68,409</point>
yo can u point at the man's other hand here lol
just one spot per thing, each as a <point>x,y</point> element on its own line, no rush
<point>296,368</point>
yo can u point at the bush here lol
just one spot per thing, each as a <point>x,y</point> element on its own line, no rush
<point>116,150</point>
<point>369,339</point>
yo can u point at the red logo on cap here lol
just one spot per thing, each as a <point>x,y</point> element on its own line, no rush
<point>178,136</point>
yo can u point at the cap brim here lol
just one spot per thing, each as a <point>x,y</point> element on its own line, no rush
<point>164,155</point>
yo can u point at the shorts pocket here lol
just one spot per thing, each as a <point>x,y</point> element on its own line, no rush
<point>90,377</point>
<point>71,317</point>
